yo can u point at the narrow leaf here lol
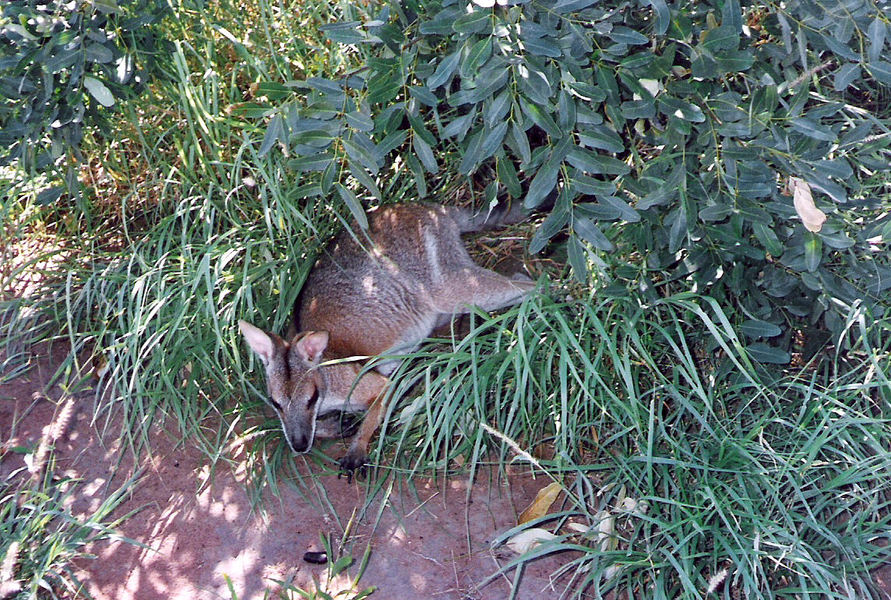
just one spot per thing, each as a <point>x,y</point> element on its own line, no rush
<point>98,90</point>
<point>756,328</point>
<point>542,184</point>
<point>586,229</point>
<point>425,154</point>
<point>813,252</point>
<point>763,353</point>
<point>353,204</point>
<point>444,71</point>
<point>274,133</point>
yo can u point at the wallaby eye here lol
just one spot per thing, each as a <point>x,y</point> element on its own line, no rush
<point>275,404</point>
<point>313,398</point>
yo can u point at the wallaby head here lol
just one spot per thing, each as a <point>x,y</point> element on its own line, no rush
<point>295,383</point>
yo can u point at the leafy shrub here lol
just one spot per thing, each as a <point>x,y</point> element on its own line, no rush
<point>668,130</point>
<point>62,63</point>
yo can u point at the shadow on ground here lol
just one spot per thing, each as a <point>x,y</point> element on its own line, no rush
<point>194,531</point>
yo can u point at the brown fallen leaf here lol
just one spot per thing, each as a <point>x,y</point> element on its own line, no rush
<point>542,503</point>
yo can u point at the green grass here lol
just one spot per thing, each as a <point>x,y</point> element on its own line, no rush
<point>780,477</point>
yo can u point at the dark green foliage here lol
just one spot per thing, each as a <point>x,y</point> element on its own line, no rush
<point>670,130</point>
<point>62,65</point>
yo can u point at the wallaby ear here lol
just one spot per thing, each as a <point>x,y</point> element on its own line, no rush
<point>259,341</point>
<point>311,345</point>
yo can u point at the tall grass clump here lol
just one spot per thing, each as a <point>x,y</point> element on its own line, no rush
<point>685,465</point>
<point>190,228</point>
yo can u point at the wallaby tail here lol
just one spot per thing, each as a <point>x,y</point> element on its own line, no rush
<point>503,214</point>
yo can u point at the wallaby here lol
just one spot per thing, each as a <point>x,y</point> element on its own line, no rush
<point>380,292</point>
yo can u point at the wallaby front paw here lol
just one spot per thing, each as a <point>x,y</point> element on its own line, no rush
<point>353,463</point>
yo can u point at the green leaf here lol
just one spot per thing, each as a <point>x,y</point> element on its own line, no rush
<point>314,162</point>
<point>477,56</point>
<point>497,108</point>
<point>595,164</point>
<point>755,328</point>
<point>98,90</point>
<point>838,240</point>
<point>678,108</point>
<point>845,76</point>
<point>626,35</point>
<point>609,208</point>
<point>677,232</point>
<point>663,15</point>
<point>731,15</point>
<point>601,137</point>
<point>425,154</point>
<point>420,130</point>
<point>507,175</point>
<point>360,121</point>
<point>644,108</point>
<point>367,182</point>
<point>881,70</point>
<point>353,204</point>
<point>477,21</point>
<point>576,254</point>
<point>275,132</point>
<point>812,129</point>
<point>876,33</point>
<point>768,239</point>
<point>582,184</point>
<point>761,352</point>
<point>551,226</point>
<point>473,155</point>
<point>542,47</point>
<point>444,70</point>
<point>813,252</point>
<point>721,38</point>
<point>418,173</point>
<point>715,212</point>
<point>360,154</point>
<point>542,184</point>
<point>540,117</point>
<point>492,139</point>
<point>328,176</point>
<point>343,32</point>
<point>423,94</point>
<point>50,195</point>
<point>459,126</point>
<point>273,90</point>
<point>520,143</point>
<point>586,229</point>
<point>98,53</point>
<point>313,138</point>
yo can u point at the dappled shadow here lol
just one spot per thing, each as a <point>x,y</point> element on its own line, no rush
<point>193,530</point>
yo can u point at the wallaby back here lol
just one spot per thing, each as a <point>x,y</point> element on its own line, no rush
<point>379,292</point>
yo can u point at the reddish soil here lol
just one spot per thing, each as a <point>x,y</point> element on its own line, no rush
<point>196,530</point>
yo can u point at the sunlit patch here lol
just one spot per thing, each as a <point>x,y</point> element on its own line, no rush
<point>368,285</point>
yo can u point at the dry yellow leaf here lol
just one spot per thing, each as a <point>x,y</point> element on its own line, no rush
<point>542,503</point>
<point>527,540</point>
<point>812,217</point>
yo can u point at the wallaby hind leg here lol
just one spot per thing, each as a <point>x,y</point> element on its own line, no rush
<point>476,286</point>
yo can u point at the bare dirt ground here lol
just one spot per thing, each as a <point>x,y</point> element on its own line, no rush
<point>196,530</point>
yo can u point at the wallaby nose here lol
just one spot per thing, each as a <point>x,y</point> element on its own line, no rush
<point>299,443</point>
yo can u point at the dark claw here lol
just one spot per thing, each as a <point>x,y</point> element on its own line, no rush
<point>350,465</point>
